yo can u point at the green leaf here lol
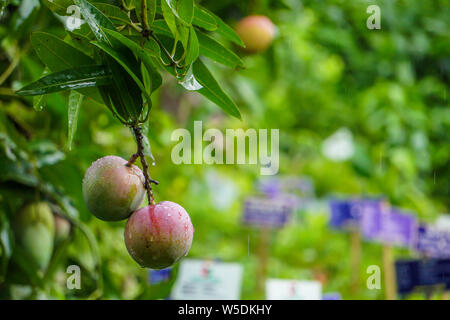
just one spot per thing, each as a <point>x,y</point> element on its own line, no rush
<point>212,49</point>
<point>160,26</point>
<point>185,9</point>
<point>129,3</point>
<point>145,54</point>
<point>123,60</point>
<point>113,12</point>
<point>225,30</point>
<point>75,100</point>
<point>186,35</point>
<point>204,20</point>
<point>40,101</point>
<point>58,6</point>
<point>169,16</point>
<point>96,20</point>
<point>192,49</point>
<point>83,31</point>
<point>126,94</point>
<point>76,78</point>
<point>212,91</point>
<point>151,11</point>
<point>146,141</point>
<point>151,47</point>
<point>59,55</point>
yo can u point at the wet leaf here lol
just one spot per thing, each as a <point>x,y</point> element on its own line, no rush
<point>71,79</point>
<point>75,101</point>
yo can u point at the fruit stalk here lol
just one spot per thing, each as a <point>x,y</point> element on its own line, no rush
<point>137,131</point>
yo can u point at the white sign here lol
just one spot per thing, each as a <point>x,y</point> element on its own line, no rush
<point>281,289</point>
<point>443,222</point>
<point>208,280</point>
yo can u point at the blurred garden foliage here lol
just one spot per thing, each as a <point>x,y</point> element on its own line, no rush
<point>325,71</point>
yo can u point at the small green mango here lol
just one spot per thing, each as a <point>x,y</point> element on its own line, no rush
<point>34,230</point>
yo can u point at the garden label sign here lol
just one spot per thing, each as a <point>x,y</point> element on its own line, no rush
<point>266,212</point>
<point>158,276</point>
<point>272,187</point>
<point>332,296</point>
<point>413,274</point>
<point>282,289</point>
<point>343,214</point>
<point>208,280</point>
<point>433,241</point>
<point>389,226</point>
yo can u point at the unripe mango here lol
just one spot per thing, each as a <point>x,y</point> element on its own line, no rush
<point>157,236</point>
<point>112,190</point>
<point>257,33</point>
<point>34,231</point>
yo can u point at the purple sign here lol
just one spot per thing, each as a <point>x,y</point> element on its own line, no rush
<point>158,276</point>
<point>272,187</point>
<point>266,212</point>
<point>332,296</point>
<point>389,226</point>
<point>433,242</point>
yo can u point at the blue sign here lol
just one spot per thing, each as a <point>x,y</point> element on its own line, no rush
<point>158,276</point>
<point>345,214</point>
<point>412,274</point>
<point>266,212</point>
<point>433,242</point>
<point>389,225</point>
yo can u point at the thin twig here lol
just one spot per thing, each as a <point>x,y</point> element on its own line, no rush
<point>137,131</point>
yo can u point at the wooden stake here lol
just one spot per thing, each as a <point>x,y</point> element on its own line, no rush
<point>263,251</point>
<point>355,259</point>
<point>390,281</point>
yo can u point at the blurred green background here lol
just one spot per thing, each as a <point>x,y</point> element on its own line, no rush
<point>325,71</point>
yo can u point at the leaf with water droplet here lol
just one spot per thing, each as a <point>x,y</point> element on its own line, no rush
<point>75,100</point>
<point>71,79</point>
<point>39,102</point>
<point>189,82</point>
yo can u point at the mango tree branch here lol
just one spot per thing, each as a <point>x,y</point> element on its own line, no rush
<point>137,131</point>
